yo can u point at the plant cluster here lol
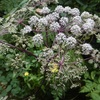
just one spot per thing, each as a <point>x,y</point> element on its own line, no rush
<point>57,41</point>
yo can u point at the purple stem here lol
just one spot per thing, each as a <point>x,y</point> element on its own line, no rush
<point>20,49</point>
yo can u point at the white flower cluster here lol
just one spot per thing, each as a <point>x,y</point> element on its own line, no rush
<point>63,21</point>
<point>75,24</point>
<point>60,38</point>
<point>89,20</point>
<point>26,29</point>
<point>45,10</point>
<point>52,17</point>
<point>71,22</point>
<point>86,14</point>
<point>76,30</point>
<point>33,20</point>
<point>59,9</point>
<point>86,49</point>
<point>37,40</point>
<point>47,53</point>
<point>54,26</point>
<point>67,9</point>
<point>75,12</point>
<point>89,25</point>
<point>71,42</point>
<point>77,20</point>
<point>43,21</point>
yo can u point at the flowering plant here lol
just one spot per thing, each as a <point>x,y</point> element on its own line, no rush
<point>58,42</point>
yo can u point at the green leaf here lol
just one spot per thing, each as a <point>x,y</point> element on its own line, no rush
<point>84,89</point>
<point>95,96</point>
<point>3,93</point>
<point>93,75</point>
<point>86,75</point>
<point>98,87</point>
<point>8,88</point>
<point>80,2</point>
<point>99,80</point>
<point>29,85</point>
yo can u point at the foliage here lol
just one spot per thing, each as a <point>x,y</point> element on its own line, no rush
<point>92,85</point>
<point>18,73</point>
<point>7,5</point>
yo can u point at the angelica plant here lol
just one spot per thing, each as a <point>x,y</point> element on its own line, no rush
<point>57,41</point>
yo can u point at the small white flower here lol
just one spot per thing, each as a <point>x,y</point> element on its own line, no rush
<point>71,42</point>
<point>38,40</point>
<point>86,14</point>
<point>77,20</point>
<point>26,29</point>
<point>75,12</point>
<point>67,9</point>
<point>59,9</point>
<point>87,27</point>
<point>89,20</point>
<point>33,20</point>
<point>76,30</point>
<point>63,21</point>
<point>43,21</point>
<point>86,49</point>
<point>60,38</point>
<point>45,10</point>
<point>54,26</point>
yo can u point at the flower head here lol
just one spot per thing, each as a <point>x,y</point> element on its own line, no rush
<point>71,42</point>
<point>76,30</point>
<point>43,21</point>
<point>67,9</point>
<point>86,49</point>
<point>38,40</point>
<point>54,68</point>
<point>75,12</point>
<point>54,26</point>
<point>26,74</point>
<point>33,20</point>
<point>52,17</point>
<point>86,14</point>
<point>45,10</point>
<point>63,21</point>
<point>89,20</point>
<point>26,29</point>
<point>87,27</point>
<point>77,20</point>
<point>59,9</point>
<point>60,38</point>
